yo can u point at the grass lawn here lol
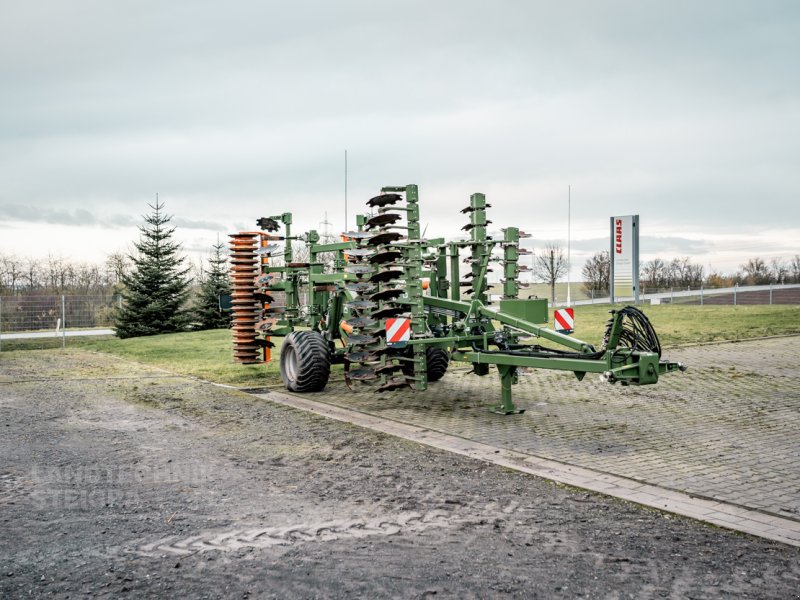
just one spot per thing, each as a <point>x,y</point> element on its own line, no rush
<point>208,354</point>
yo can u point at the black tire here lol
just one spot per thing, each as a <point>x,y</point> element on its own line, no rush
<point>438,361</point>
<point>305,362</point>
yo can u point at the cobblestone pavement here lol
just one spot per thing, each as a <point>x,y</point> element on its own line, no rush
<point>727,430</point>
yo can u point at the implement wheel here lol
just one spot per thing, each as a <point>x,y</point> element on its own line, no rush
<point>438,361</point>
<point>305,362</point>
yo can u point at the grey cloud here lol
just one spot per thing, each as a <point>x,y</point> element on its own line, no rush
<point>16,212</point>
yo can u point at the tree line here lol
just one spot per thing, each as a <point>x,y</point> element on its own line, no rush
<point>161,291</point>
<point>683,273</point>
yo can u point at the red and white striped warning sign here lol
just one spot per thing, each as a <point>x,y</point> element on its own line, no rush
<point>564,320</point>
<point>397,331</point>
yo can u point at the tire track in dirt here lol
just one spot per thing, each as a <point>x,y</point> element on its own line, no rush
<point>326,531</point>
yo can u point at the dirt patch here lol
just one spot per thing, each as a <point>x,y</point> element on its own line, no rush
<point>158,486</point>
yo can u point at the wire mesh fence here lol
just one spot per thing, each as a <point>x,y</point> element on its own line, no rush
<point>37,321</point>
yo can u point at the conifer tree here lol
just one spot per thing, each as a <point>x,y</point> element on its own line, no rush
<point>207,312</point>
<point>157,287</point>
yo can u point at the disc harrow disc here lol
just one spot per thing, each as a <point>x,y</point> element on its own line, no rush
<point>361,304</point>
<point>365,374</point>
<point>361,322</point>
<point>361,356</point>
<point>360,288</point>
<point>389,294</point>
<point>361,340</point>
<point>358,235</point>
<point>359,252</point>
<point>387,237</point>
<point>388,312</point>
<point>359,269</point>
<point>393,384</point>
<point>385,257</point>
<point>384,200</point>
<point>387,275</point>
<point>382,220</point>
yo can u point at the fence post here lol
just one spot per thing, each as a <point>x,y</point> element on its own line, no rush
<point>770,294</point>
<point>63,323</point>
<point>735,287</point>
<point>701,294</point>
<point>672,295</point>
<point>1,324</point>
<point>592,296</point>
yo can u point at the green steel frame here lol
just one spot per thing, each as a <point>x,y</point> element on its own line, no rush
<point>470,329</point>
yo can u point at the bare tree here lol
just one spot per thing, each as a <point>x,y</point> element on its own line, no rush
<point>117,266</point>
<point>755,271</point>
<point>549,266</point>
<point>795,267</point>
<point>596,272</point>
<point>655,273</point>
<point>779,271</point>
<point>684,273</point>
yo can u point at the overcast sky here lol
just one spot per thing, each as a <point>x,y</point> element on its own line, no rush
<point>686,113</point>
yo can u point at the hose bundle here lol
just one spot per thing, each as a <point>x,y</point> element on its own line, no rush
<point>637,331</point>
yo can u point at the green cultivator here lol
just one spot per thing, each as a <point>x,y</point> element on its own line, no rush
<point>388,304</point>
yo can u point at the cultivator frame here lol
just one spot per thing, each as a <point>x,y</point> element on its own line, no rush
<point>338,305</point>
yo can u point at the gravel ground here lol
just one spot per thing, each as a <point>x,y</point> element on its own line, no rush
<point>117,479</point>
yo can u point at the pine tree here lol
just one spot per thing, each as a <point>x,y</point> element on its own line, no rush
<point>157,287</point>
<point>207,312</point>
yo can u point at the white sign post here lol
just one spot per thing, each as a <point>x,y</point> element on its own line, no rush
<point>624,280</point>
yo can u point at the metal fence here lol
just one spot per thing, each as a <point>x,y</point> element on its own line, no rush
<point>46,320</point>
<point>736,295</point>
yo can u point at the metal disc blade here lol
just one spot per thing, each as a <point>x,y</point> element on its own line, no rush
<point>383,220</point>
<point>385,257</point>
<point>387,294</point>
<point>359,252</point>
<point>384,200</point>
<point>360,287</point>
<point>387,237</point>
<point>359,269</point>
<point>364,374</point>
<point>358,235</point>
<point>361,340</point>
<point>360,322</point>
<point>386,275</point>
<point>361,356</point>
<point>389,369</point>
<point>361,304</point>
<point>387,313</point>
<point>393,384</point>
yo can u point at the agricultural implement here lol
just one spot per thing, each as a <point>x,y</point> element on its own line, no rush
<point>395,309</point>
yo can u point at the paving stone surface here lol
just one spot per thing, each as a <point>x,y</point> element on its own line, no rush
<point>728,429</point>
